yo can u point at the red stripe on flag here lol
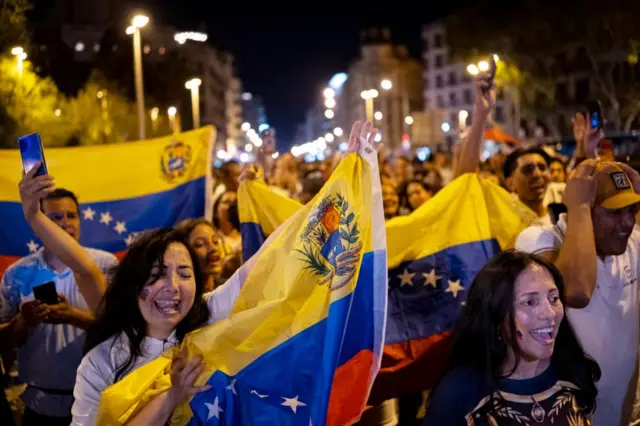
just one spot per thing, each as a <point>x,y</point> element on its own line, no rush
<point>350,387</point>
<point>411,367</point>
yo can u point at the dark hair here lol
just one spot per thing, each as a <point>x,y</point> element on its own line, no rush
<point>556,160</point>
<point>119,312</point>
<point>224,169</point>
<point>482,342</point>
<point>187,226</point>
<point>404,191</point>
<point>58,194</point>
<point>233,214</point>
<point>511,162</point>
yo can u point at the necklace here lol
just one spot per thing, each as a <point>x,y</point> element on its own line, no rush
<point>537,412</point>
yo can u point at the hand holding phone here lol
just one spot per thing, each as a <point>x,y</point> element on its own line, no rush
<point>33,189</point>
<point>492,74</point>
<point>596,120</point>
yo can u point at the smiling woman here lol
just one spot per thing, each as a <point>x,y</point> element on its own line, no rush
<point>515,355</point>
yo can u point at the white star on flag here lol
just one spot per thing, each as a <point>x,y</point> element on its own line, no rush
<point>88,213</point>
<point>33,246</point>
<point>120,228</point>
<point>232,386</point>
<point>454,287</point>
<point>214,409</point>
<point>105,218</point>
<point>431,278</point>
<point>406,277</point>
<point>253,392</point>
<point>293,403</point>
<point>129,240</point>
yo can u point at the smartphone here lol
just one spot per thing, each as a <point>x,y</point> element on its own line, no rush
<point>492,74</point>
<point>46,293</point>
<point>595,115</point>
<point>32,152</point>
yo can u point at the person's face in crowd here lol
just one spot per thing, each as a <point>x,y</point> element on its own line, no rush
<point>434,179</point>
<point>530,179</point>
<point>208,247</point>
<point>538,313</point>
<point>231,177</point>
<point>64,212</point>
<point>417,195</point>
<point>496,161</point>
<point>557,173</point>
<point>390,201</point>
<point>612,229</point>
<point>170,292</point>
<point>223,207</point>
<point>402,170</point>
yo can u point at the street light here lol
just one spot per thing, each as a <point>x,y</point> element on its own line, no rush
<point>338,131</point>
<point>330,103</point>
<point>483,66</point>
<point>171,112</point>
<point>194,85</point>
<point>368,96</point>
<point>377,115</point>
<point>329,137</point>
<point>138,22</point>
<point>409,120</point>
<point>245,126</point>
<point>329,114</point>
<point>445,127</point>
<point>386,84</point>
<point>20,55</point>
<point>329,93</point>
<point>472,69</point>
<point>462,119</point>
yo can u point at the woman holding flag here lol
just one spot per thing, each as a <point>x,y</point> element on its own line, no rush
<point>155,298</point>
<point>515,356</point>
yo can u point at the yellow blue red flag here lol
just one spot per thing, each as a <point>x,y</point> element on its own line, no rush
<point>434,254</point>
<point>123,189</point>
<point>303,343</point>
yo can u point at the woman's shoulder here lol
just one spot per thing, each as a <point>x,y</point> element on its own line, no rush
<point>102,358</point>
<point>463,379</point>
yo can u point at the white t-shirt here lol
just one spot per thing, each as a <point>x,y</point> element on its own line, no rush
<point>608,327</point>
<point>98,368</point>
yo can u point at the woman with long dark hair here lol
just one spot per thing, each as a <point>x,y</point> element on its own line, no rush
<point>515,357</point>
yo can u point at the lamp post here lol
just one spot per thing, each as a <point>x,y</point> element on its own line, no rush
<point>20,55</point>
<point>171,112</point>
<point>194,85</point>
<point>138,21</point>
<point>369,96</point>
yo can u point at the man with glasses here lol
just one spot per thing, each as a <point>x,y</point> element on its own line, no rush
<point>49,338</point>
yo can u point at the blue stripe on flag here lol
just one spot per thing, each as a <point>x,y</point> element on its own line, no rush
<point>252,239</point>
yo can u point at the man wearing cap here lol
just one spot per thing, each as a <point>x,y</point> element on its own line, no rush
<point>596,247</point>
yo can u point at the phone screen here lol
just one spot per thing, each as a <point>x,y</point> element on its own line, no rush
<point>595,115</point>
<point>46,293</point>
<point>32,152</point>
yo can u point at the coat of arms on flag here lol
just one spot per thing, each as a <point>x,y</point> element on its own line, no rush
<point>332,247</point>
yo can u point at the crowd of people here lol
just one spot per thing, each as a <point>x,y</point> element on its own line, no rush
<point>549,333</point>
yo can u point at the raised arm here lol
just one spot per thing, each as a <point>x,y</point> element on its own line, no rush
<point>90,279</point>
<point>469,151</point>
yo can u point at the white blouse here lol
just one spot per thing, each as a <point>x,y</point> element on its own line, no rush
<point>98,367</point>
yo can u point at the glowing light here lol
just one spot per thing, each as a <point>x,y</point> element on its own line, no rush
<point>131,29</point>
<point>409,120</point>
<point>57,112</point>
<point>386,84</point>
<point>369,94</point>
<point>100,94</point>
<point>329,137</point>
<point>472,69</point>
<point>244,157</point>
<point>263,127</point>
<point>246,96</point>
<point>462,115</point>
<point>245,126</point>
<point>329,114</point>
<point>258,142</point>
<point>154,113</point>
<point>171,111</point>
<point>275,155</point>
<point>445,127</point>
<point>17,51</point>
<point>251,133</point>
<point>338,80</point>
<point>377,115</point>
<point>496,57</point>
<point>483,66</point>
<point>248,147</point>
<point>330,103</point>
<point>329,92</point>
<point>222,154</point>
<point>343,147</point>
<point>378,137</point>
<point>146,49</point>
<point>79,46</point>
<point>193,83</point>
<point>338,131</point>
<point>182,38</point>
<point>140,21</point>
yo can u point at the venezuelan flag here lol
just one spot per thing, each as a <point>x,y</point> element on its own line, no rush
<point>304,341</point>
<point>434,254</point>
<point>123,189</point>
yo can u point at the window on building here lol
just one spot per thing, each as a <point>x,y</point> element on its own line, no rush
<point>468,96</point>
<point>439,61</point>
<point>438,40</point>
<point>440,101</point>
<point>499,115</point>
<point>453,99</point>
<point>439,82</point>
<point>453,80</point>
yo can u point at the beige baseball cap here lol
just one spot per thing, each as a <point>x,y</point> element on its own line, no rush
<point>614,188</point>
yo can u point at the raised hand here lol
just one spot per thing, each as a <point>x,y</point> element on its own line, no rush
<point>362,132</point>
<point>581,186</point>
<point>485,95</point>
<point>33,189</point>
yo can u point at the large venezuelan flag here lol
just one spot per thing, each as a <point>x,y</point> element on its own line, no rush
<point>304,340</point>
<point>122,188</point>
<point>434,254</point>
